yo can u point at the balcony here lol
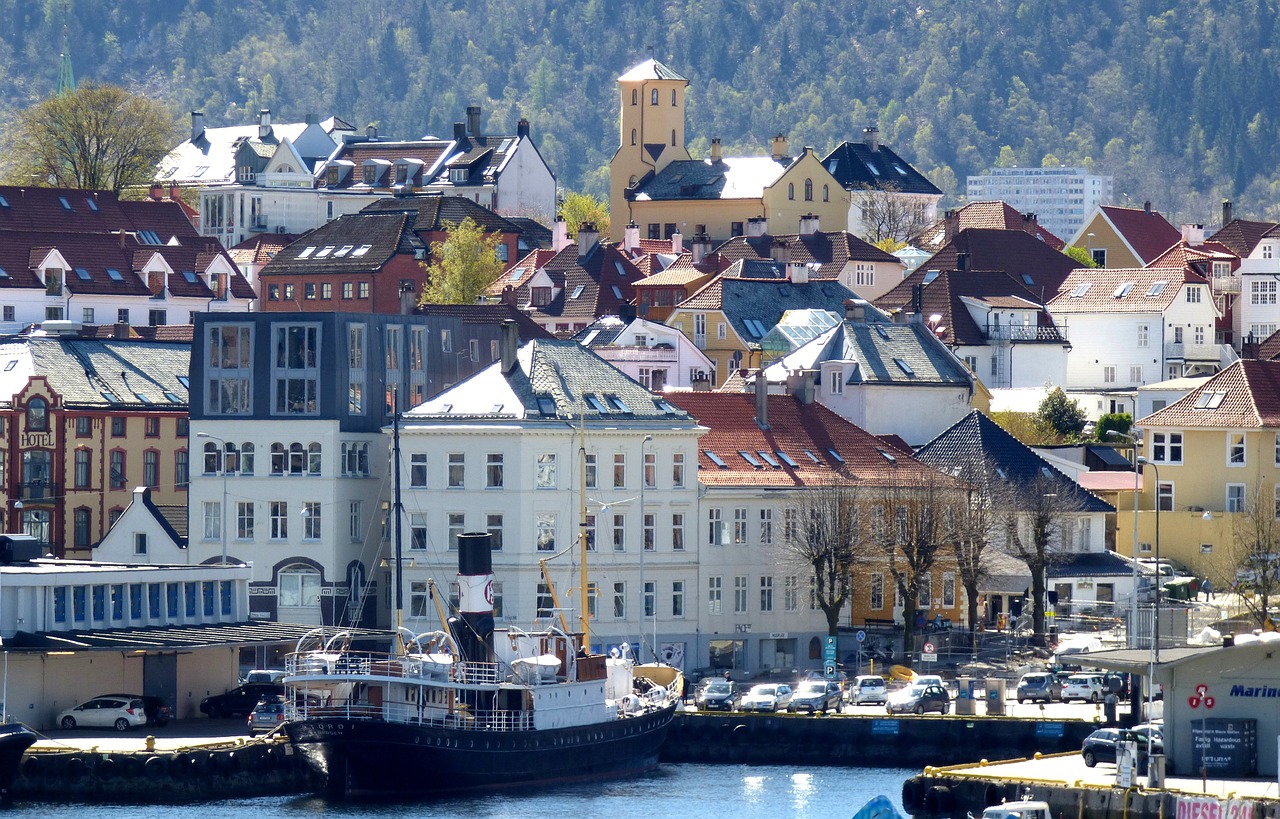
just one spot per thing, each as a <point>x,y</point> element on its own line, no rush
<point>39,491</point>
<point>1226,284</point>
<point>653,354</point>
<point>1180,351</point>
<point>1026,333</point>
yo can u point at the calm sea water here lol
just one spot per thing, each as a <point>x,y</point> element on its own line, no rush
<point>676,791</point>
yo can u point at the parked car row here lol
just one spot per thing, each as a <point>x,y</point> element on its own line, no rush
<point>125,711</point>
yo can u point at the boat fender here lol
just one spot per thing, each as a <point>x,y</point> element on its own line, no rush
<point>76,768</point>
<point>185,765</point>
<point>913,796</point>
<point>231,762</point>
<point>129,766</point>
<point>33,766</point>
<point>107,768</point>
<point>156,767</point>
<point>992,795</point>
<point>938,800</point>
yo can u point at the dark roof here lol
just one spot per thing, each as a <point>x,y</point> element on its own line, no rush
<point>765,300</point>
<point>856,165</point>
<point>89,372</point>
<point>590,286</point>
<point>1146,231</point>
<point>41,209</point>
<point>1086,564</point>
<point>877,346</point>
<point>976,439</point>
<point>943,294</point>
<point>701,179</point>
<point>1012,251</point>
<point>533,234</point>
<point>830,249</point>
<point>357,151</point>
<point>600,333</point>
<point>352,243</point>
<point>990,215</point>
<point>487,314</point>
<point>1241,236</point>
<point>435,213</point>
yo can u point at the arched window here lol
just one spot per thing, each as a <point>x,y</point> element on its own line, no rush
<point>246,459</point>
<point>211,460</point>
<point>673,137</point>
<point>313,458</point>
<point>297,459</point>
<point>653,98</point>
<point>37,415</point>
<point>826,194</point>
<point>808,190</point>
<point>299,594</point>
<point>815,649</point>
<point>791,190</point>
<point>673,96</point>
<point>231,459</point>
<point>633,181</point>
<point>633,136</point>
<point>277,459</point>
<point>635,96</point>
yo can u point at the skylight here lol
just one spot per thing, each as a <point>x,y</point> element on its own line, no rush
<point>888,456</point>
<point>768,458</point>
<point>184,381</point>
<point>65,204</point>
<point>930,275</point>
<point>110,396</point>
<point>360,251</point>
<point>577,291</point>
<point>324,251</point>
<point>812,457</point>
<point>4,274</point>
<point>343,251</point>
<point>749,458</point>
<point>904,366</point>
<point>83,273</point>
<point>663,406</point>
<point>1122,290</point>
<point>114,275</point>
<point>142,398</point>
<point>1081,289</point>
<point>622,271</point>
<point>1156,288</point>
<point>715,459</point>
<point>616,292</point>
<point>93,206</point>
<point>616,403</point>
<point>190,276</point>
<point>881,331</point>
<point>307,251</point>
<point>4,203</point>
<point>1210,400</point>
<point>172,397</point>
<point>787,459</point>
<point>593,401</point>
<point>546,405</point>
<point>148,237</point>
<point>835,455</point>
<point>13,362</point>
<point>1026,279</point>
<point>497,408</point>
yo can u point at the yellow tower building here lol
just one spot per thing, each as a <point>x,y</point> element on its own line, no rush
<point>651,135</point>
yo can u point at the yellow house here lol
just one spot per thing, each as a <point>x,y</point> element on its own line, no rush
<point>654,183</point>
<point>1212,474</point>
<point>1126,237</point>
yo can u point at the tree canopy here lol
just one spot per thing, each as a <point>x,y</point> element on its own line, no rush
<point>463,265</point>
<point>96,137</point>
<point>578,208</point>
<point>1061,415</point>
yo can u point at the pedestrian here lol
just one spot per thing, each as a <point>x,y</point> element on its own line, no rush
<point>1207,588</point>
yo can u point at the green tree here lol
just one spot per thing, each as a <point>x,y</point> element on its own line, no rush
<point>1113,422</point>
<point>1080,255</point>
<point>577,208</point>
<point>97,137</point>
<point>1062,415</point>
<point>463,265</point>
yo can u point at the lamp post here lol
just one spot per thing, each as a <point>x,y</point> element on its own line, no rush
<point>1133,613</point>
<point>644,599</point>
<point>1155,611</point>
<point>222,467</point>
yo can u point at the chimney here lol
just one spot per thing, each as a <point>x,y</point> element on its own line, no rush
<point>677,243</point>
<point>459,131</point>
<point>855,310</point>
<point>871,137</point>
<point>588,238</point>
<point>715,149</point>
<point>779,148</point>
<point>197,125</point>
<point>1030,223</point>
<point>522,127</point>
<point>962,261</point>
<point>700,248</point>
<point>798,273</point>
<point>701,382</point>
<point>779,252</point>
<point>808,224</point>
<point>157,192</point>
<point>121,330</point>
<point>762,400</point>
<point>473,120</point>
<point>950,225</point>
<point>1193,234</point>
<point>264,123</point>
<point>124,236</point>
<point>559,236</point>
<point>309,119</point>
<point>371,131</point>
<point>800,384</point>
<point>407,300</point>
<point>631,237</point>
<point>509,343</point>
<point>1146,206</point>
<point>757,226</point>
<point>1227,215</point>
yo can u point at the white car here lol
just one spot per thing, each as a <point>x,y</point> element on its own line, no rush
<point>766,697</point>
<point>868,688</point>
<point>120,713</point>
<point>1087,687</point>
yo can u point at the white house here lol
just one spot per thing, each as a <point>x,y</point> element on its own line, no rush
<point>512,450</point>
<point>658,356</point>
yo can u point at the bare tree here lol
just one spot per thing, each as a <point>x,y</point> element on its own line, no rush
<point>1037,511</point>
<point>974,528</point>
<point>887,213</point>
<point>825,540</point>
<point>1253,556</point>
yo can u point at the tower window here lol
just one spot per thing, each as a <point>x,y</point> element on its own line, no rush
<point>673,96</point>
<point>791,190</point>
<point>673,137</point>
<point>653,98</point>
<point>635,96</point>
<point>633,136</point>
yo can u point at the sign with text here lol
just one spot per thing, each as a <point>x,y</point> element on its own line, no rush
<point>1206,807</point>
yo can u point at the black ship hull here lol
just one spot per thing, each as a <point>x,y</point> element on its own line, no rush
<point>361,756</point>
<point>15,739</point>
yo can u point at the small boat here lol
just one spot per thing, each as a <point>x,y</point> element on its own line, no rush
<point>1023,809</point>
<point>15,739</point>
<point>878,807</point>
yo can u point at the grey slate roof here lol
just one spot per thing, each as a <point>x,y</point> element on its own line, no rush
<point>381,232</point>
<point>85,372</point>
<point>551,381</point>
<point>877,347</point>
<point>1091,564</point>
<point>743,177</point>
<point>851,163</point>
<point>765,301</point>
<point>976,437</point>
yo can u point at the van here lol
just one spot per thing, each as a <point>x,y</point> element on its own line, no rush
<point>264,675</point>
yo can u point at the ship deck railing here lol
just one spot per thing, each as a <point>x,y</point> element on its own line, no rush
<point>362,664</point>
<point>459,717</point>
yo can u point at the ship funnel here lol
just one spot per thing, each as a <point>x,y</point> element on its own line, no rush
<point>474,631</point>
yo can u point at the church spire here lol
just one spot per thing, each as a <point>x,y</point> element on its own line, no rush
<point>66,79</point>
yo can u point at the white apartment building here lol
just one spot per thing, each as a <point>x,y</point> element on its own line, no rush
<point>1061,198</point>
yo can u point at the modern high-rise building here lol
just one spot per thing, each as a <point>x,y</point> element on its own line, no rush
<point>1061,198</point>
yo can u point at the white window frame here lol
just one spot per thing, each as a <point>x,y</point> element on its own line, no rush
<point>1236,449</point>
<point>1235,497</point>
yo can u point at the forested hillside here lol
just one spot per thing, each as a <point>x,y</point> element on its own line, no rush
<point>1179,104</point>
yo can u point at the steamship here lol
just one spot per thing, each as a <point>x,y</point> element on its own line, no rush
<point>471,707</point>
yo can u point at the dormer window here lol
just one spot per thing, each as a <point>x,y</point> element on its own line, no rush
<point>218,284</point>
<point>402,174</point>
<point>540,296</point>
<point>331,177</point>
<point>53,281</point>
<point>155,282</point>
<point>244,173</point>
<point>458,176</point>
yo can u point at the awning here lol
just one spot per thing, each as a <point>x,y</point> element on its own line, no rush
<point>170,638</point>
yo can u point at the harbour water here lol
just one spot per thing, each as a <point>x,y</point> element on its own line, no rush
<point>679,791</point>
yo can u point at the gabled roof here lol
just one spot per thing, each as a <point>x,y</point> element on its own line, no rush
<point>1184,255</point>
<point>555,381</point>
<point>261,248</point>
<point>741,177</point>
<point>430,151</point>
<point>1028,260</point>
<point>650,69</point>
<point>976,439</point>
<point>856,165</point>
<point>352,243</point>
<point>876,348</point>
<point>1245,395</point>
<point>210,158</point>
<point>41,209</point>
<point>807,434</point>
<point>763,301</point>
<point>1242,236</point>
<point>489,314</point>
<point>100,373</point>
<point>943,295</point>
<point>590,286</point>
<point>1146,232</point>
<point>1122,290</point>
<point>171,518</point>
<point>830,250</point>
<point>600,333</point>
<point>986,215</point>
<point>435,213</point>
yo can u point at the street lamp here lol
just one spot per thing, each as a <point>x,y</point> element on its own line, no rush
<point>222,467</point>
<point>1155,611</point>
<point>1133,614</point>
<point>644,598</point>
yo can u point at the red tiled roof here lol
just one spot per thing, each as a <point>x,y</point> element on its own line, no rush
<point>1184,255</point>
<point>1246,395</point>
<point>1146,231</point>
<point>1104,283</point>
<point>598,273</point>
<point>1241,236</point>
<point>1012,251</point>
<point>943,296</point>
<point>986,215</point>
<point>261,248</point>
<point>793,428</point>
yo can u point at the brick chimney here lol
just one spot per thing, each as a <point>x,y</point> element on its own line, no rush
<point>473,120</point>
<point>1030,223</point>
<point>1227,215</point>
<point>197,125</point>
<point>715,149</point>
<point>631,237</point>
<point>522,127</point>
<point>459,131</point>
<point>950,225</point>
<point>408,299</point>
<point>778,149</point>
<point>1146,206</point>
<point>264,123</point>
<point>871,137</point>
<point>371,131</point>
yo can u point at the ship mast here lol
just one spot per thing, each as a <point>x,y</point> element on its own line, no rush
<point>397,510</point>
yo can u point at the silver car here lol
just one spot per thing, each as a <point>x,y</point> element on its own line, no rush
<point>120,713</point>
<point>868,689</point>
